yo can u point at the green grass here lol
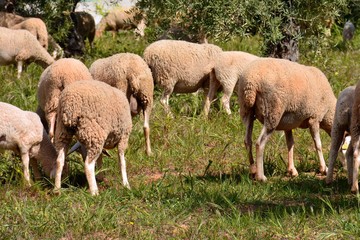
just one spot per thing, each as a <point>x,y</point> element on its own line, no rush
<point>196,185</point>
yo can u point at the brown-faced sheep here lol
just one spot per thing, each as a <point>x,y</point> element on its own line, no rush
<point>340,127</point>
<point>22,132</point>
<point>52,81</point>
<point>99,116</point>
<point>122,19</point>
<point>179,66</point>
<point>129,73</point>
<point>19,46</point>
<point>284,95</point>
<point>226,73</point>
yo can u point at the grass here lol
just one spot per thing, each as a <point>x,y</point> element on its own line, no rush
<point>196,185</point>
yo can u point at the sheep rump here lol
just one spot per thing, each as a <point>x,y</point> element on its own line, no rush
<point>280,94</point>
<point>99,116</point>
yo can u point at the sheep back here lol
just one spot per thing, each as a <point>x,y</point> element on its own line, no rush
<point>280,86</point>
<point>180,65</point>
<point>96,111</point>
<point>56,77</point>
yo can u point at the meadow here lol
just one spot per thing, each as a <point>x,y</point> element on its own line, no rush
<point>196,184</point>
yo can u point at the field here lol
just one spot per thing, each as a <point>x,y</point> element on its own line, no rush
<point>196,185</point>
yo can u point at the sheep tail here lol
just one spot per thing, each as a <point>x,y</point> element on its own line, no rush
<point>249,94</point>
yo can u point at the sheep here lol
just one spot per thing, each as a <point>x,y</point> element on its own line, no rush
<point>52,81</point>
<point>340,127</point>
<point>99,116</point>
<point>226,72</point>
<point>179,66</point>
<point>35,26</point>
<point>10,19</point>
<point>19,46</point>
<point>124,19</point>
<point>85,25</point>
<point>129,73</point>
<point>22,132</point>
<point>284,95</point>
<point>348,31</point>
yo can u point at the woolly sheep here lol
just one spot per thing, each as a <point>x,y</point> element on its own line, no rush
<point>36,27</point>
<point>180,66</point>
<point>340,127</point>
<point>348,31</point>
<point>227,70</point>
<point>129,73</point>
<point>124,19</point>
<point>52,81</point>
<point>99,116</point>
<point>22,132</point>
<point>19,46</point>
<point>284,95</point>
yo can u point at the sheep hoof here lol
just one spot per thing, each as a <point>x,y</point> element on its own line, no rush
<point>57,192</point>
<point>328,180</point>
<point>261,178</point>
<point>323,171</point>
<point>354,190</point>
<point>293,172</point>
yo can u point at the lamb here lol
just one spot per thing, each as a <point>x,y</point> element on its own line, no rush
<point>340,128</point>
<point>52,81</point>
<point>99,116</point>
<point>36,27</point>
<point>124,19</point>
<point>22,132</point>
<point>284,95</point>
<point>226,72</point>
<point>129,73</point>
<point>179,66</point>
<point>19,46</point>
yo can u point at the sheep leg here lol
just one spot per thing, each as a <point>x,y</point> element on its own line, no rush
<point>59,167</point>
<point>122,164</point>
<point>336,140</point>
<point>350,163</point>
<point>260,147</point>
<point>99,163</point>
<point>35,167</point>
<point>213,87</point>
<point>249,125</point>
<point>356,163</point>
<point>19,68</point>
<point>25,161</point>
<point>164,100</point>
<point>290,145</point>
<point>89,165</point>
<point>314,130</point>
<point>225,100</point>
<point>51,122</point>
<point>147,131</point>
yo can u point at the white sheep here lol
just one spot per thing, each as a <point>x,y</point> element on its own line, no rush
<point>99,116</point>
<point>129,73</point>
<point>36,27</point>
<point>22,132</point>
<point>340,128</point>
<point>122,18</point>
<point>226,73</point>
<point>19,46</point>
<point>284,95</point>
<point>52,81</point>
<point>180,66</point>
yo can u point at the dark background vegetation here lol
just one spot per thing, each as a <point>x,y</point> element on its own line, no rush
<point>196,184</point>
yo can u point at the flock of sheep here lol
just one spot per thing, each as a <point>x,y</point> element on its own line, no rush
<point>96,104</point>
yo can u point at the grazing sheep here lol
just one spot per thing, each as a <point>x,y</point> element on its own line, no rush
<point>284,95</point>
<point>348,31</point>
<point>22,132</point>
<point>129,73</point>
<point>99,116</point>
<point>226,73</point>
<point>19,46</point>
<point>85,25</point>
<point>179,66</point>
<point>10,19</point>
<point>340,127</point>
<point>122,19</point>
<point>52,81</point>
<point>36,27</point>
